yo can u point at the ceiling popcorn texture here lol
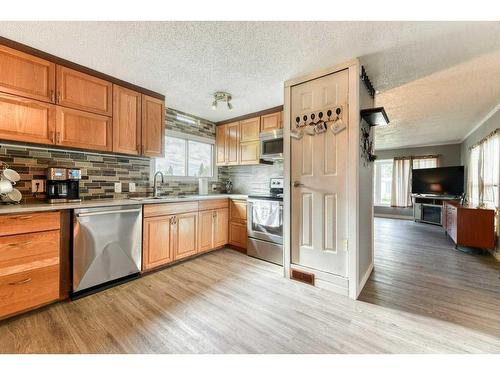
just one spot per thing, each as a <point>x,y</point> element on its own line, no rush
<point>436,79</point>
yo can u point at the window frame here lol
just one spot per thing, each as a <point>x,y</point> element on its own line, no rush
<point>187,137</point>
<point>376,180</point>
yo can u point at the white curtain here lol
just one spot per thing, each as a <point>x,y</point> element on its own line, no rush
<point>401,182</point>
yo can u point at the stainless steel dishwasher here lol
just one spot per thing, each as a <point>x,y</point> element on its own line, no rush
<point>107,247</point>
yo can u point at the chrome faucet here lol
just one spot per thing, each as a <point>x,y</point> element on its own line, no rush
<point>155,186</point>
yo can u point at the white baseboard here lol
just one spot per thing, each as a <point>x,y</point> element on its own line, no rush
<point>390,216</point>
<point>364,279</point>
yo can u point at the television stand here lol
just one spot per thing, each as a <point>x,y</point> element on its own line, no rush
<point>429,208</point>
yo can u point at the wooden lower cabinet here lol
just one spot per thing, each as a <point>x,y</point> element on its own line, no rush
<point>238,223</point>
<point>29,262</point>
<point>157,242</point>
<point>238,234</point>
<point>186,235</point>
<point>213,232</point>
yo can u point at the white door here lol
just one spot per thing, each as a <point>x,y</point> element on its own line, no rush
<point>319,173</point>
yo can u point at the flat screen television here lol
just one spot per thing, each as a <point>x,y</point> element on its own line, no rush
<point>438,181</point>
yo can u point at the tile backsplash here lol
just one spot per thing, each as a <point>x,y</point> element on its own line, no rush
<point>101,171</point>
<point>251,179</point>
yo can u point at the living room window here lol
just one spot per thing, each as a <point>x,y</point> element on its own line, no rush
<point>187,157</point>
<point>382,182</point>
<point>484,171</point>
<point>425,162</point>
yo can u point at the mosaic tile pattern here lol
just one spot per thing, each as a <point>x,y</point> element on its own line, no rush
<point>251,179</point>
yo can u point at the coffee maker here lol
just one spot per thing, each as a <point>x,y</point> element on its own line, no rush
<point>63,185</point>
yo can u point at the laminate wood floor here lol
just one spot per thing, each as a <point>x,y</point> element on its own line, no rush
<point>423,297</point>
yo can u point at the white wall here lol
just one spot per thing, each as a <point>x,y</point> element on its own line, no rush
<point>365,208</point>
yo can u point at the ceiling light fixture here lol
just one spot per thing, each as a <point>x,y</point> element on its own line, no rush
<point>221,96</point>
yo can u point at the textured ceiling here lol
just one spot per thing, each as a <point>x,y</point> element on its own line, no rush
<point>436,79</point>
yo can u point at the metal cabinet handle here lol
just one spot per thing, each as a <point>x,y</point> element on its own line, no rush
<point>27,217</point>
<point>84,214</point>
<point>25,281</point>
<point>297,184</point>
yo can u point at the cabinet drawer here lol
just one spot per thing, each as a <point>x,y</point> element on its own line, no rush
<point>27,223</point>
<point>26,251</point>
<point>238,211</point>
<point>213,204</point>
<point>26,290</point>
<point>163,209</point>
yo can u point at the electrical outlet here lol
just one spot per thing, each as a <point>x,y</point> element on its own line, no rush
<point>118,187</point>
<point>131,187</point>
<point>37,186</point>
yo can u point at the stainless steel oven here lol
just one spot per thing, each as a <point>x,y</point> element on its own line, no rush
<point>265,228</point>
<point>271,145</point>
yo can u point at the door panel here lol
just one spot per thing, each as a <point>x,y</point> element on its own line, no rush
<point>126,121</point>
<point>221,227</point>
<point>83,129</point>
<point>206,230</point>
<point>220,144</point>
<point>250,153</point>
<point>153,126</point>
<point>250,129</point>
<point>270,122</point>
<point>232,143</point>
<point>157,245</point>
<point>27,120</point>
<point>82,91</point>
<point>26,75</point>
<point>186,226</point>
<point>319,168</point>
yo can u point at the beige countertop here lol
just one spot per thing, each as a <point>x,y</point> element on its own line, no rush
<point>41,207</point>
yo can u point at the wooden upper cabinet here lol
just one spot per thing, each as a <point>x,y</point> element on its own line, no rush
<point>220,144</point>
<point>26,75</point>
<point>186,227</point>
<point>153,126</point>
<point>270,122</point>
<point>250,153</point>
<point>83,130</point>
<point>126,121</point>
<point>82,91</point>
<point>250,129</point>
<point>157,242</point>
<point>27,120</point>
<point>232,143</point>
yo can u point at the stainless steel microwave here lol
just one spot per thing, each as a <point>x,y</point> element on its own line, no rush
<point>271,145</point>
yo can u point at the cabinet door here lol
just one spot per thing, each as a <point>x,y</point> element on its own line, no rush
<point>232,143</point>
<point>220,144</point>
<point>27,120</point>
<point>83,91</point>
<point>250,129</point>
<point>250,152</point>
<point>126,121</point>
<point>270,122</point>
<point>186,227</point>
<point>157,243</point>
<point>206,230</point>
<point>153,126</point>
<point>221,227</point>
<point>83,130</point>
<point>238,234</point>
<point>238,210</point>
<point>27,75</point>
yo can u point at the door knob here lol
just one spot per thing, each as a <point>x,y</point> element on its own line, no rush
<point>297,184</point>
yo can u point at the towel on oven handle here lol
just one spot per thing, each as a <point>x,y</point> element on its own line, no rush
<point>267,214</point>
